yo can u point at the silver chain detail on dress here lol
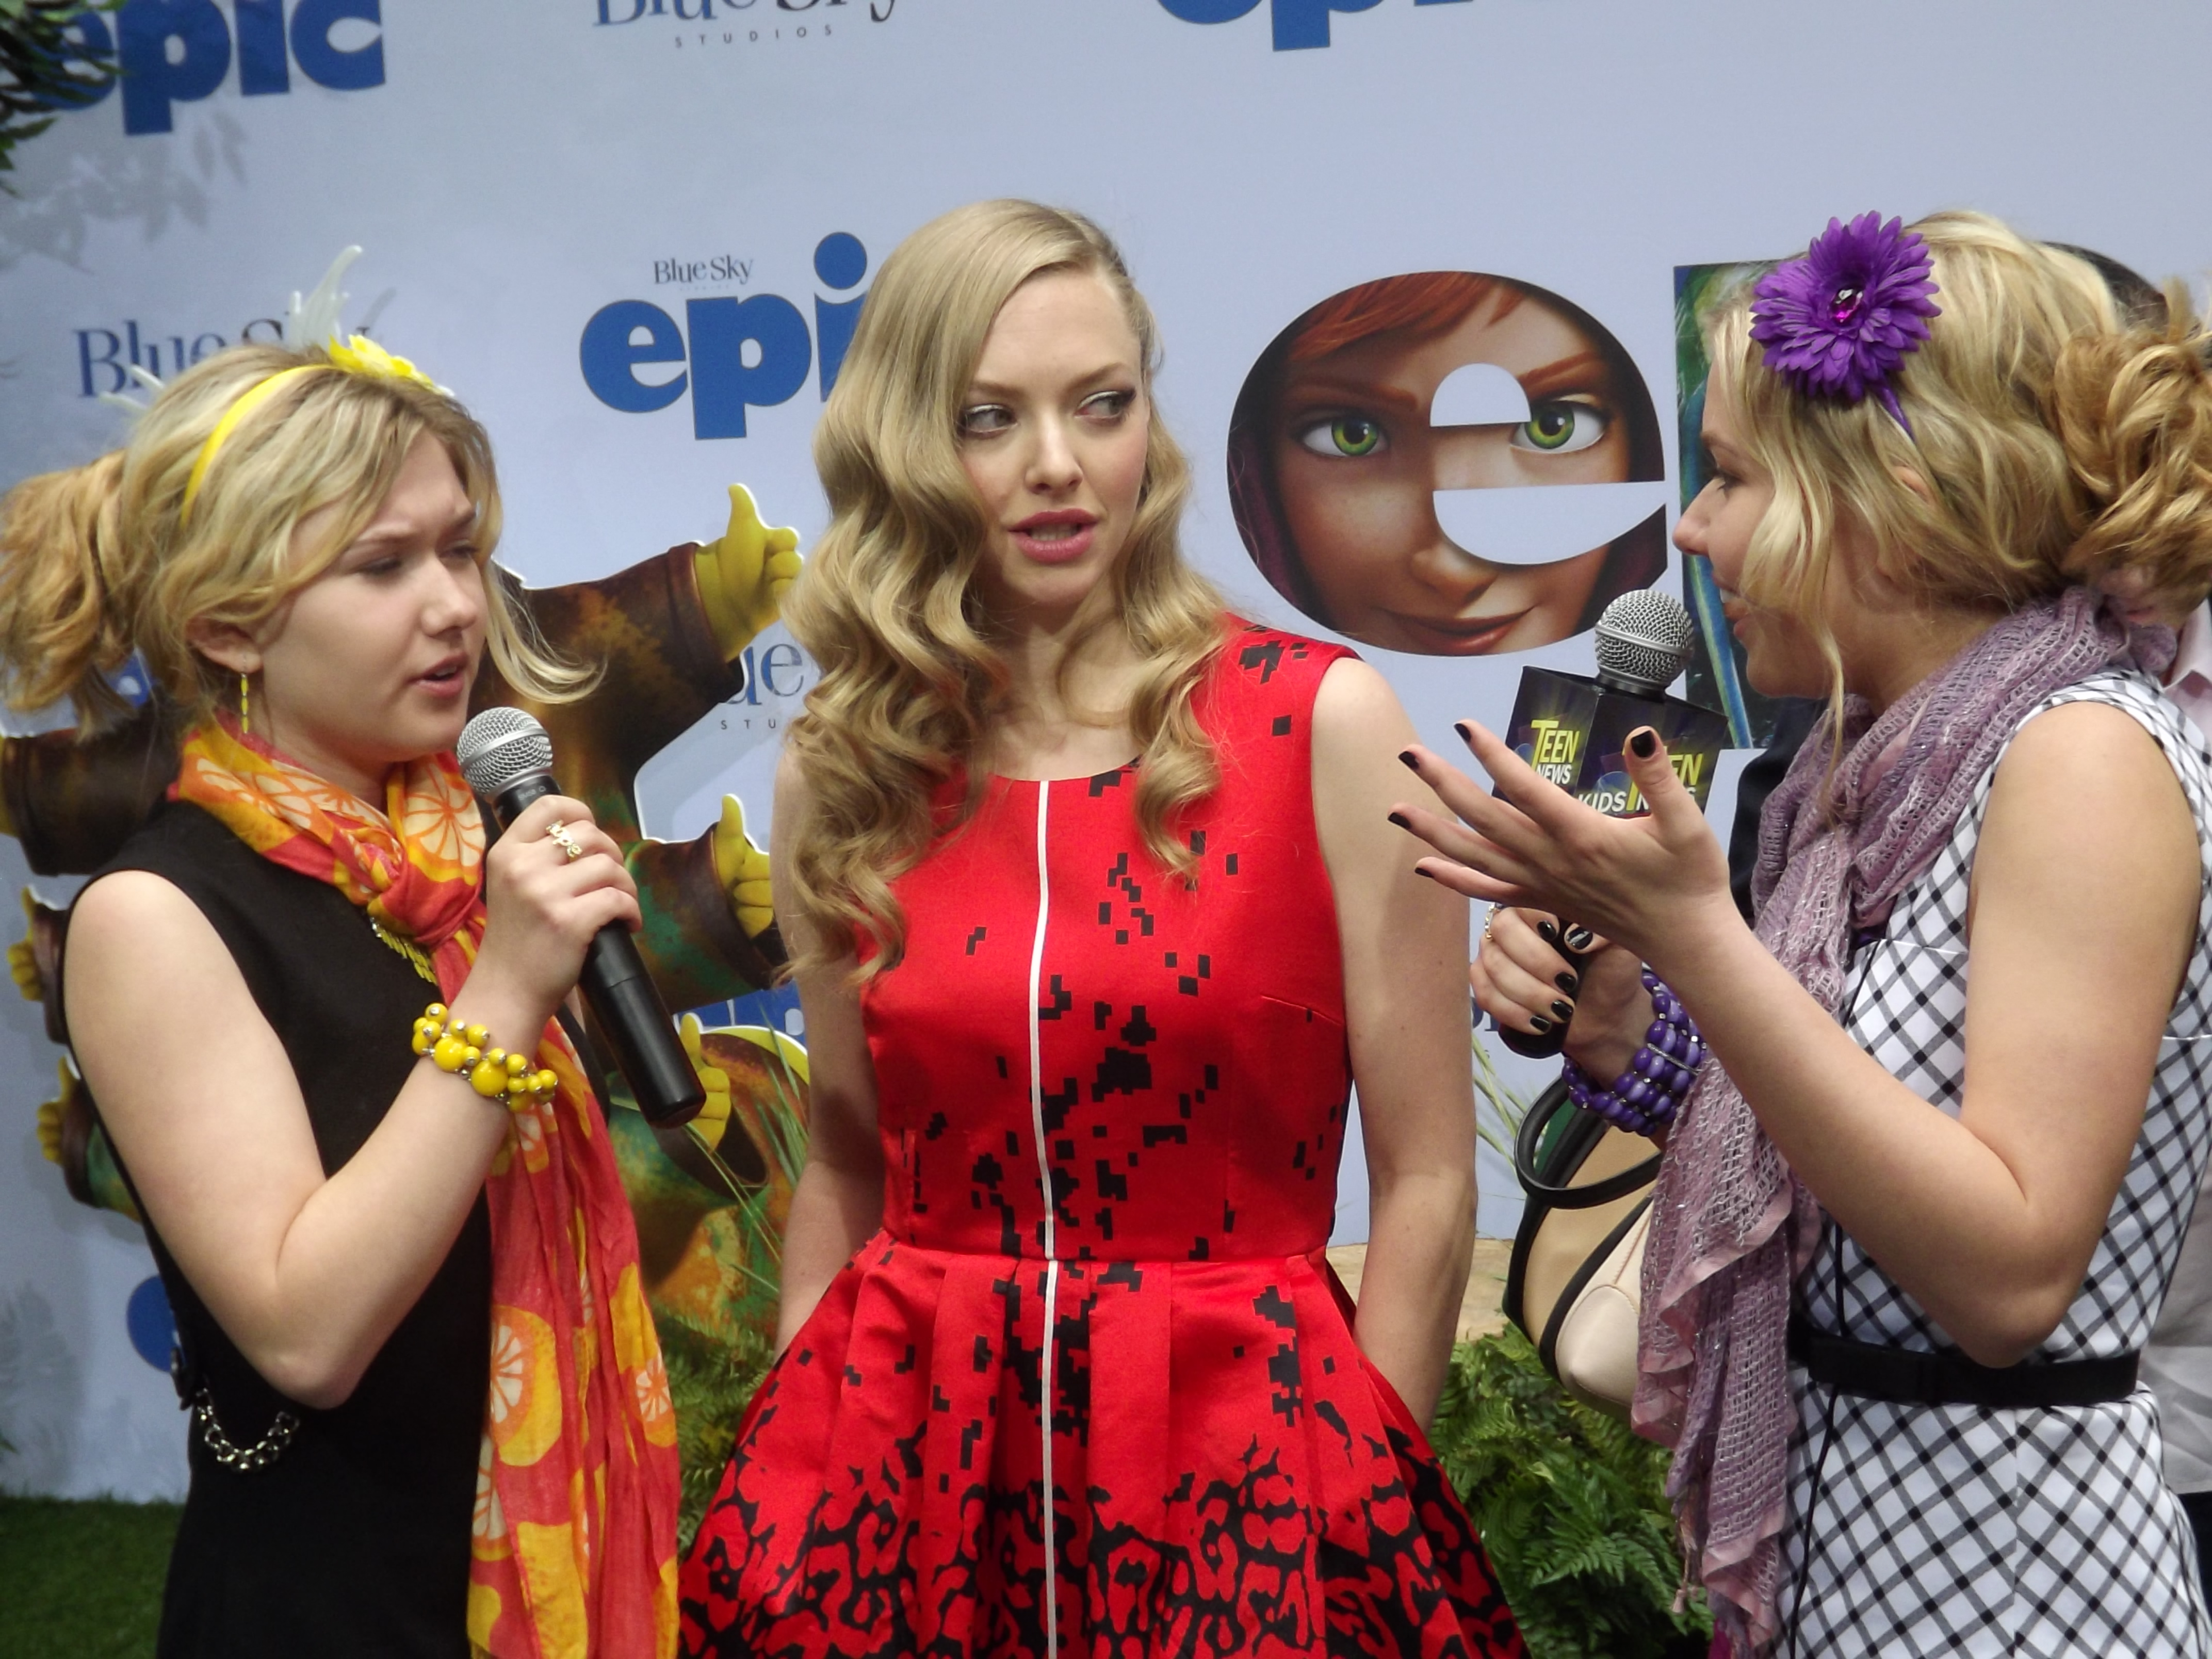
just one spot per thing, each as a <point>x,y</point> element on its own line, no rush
<point>245,1459</point>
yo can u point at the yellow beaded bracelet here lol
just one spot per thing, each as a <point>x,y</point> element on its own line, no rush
<point>465,1051</point>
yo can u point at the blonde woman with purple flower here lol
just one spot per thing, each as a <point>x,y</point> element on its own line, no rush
<point>1915,1219</point>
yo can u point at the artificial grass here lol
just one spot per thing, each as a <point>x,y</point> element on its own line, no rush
<point>82,1580</point>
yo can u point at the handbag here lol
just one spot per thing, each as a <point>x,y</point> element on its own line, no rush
<point>1574,1281</point>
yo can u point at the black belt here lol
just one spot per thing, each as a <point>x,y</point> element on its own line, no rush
<point>1912,1378</point>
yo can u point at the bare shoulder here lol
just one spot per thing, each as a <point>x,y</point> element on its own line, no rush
<point>791,789</point>
<point>1359,729</point>
<point>832,982</point>
<point>2088,761</point>
<point>2085,803</point>
<point>137,916</point>
<point>792,799</point>
<point>140,951</point>
<point>146,977</point>
<point>1357,714</point>
<point>128,895</point>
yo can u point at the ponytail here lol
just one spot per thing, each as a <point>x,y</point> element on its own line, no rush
<point>2134,410</point>
<point>62,629</point>
<point>102,563</point>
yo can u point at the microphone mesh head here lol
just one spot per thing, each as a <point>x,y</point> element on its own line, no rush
<point>1644,639</point>
<point>499,747</point>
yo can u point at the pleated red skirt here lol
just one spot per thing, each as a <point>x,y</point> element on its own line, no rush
<point>886,1494</point>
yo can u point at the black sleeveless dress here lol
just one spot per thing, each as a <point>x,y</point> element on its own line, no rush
<point>355,1539</point>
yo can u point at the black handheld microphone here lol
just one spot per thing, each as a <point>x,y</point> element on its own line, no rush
<point>1573,729</point>
<point>508,761</point>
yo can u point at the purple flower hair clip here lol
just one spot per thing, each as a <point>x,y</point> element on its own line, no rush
<point>1839,322</point>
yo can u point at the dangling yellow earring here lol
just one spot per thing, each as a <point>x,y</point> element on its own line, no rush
<point>244,707</point>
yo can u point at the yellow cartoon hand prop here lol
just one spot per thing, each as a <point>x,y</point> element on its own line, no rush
<point>22,955</point>
<point>744,574</point>
<point>742,868</point>
<point>51,1113</point>
<point>714,1116</point>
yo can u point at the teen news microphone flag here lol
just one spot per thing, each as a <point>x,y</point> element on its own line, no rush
<point>1573,728</point>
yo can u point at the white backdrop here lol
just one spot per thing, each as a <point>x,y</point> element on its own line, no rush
<point>512,169</point>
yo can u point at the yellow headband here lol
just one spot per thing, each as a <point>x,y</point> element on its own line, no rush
<point>359,355</point>
<point>247,402</point>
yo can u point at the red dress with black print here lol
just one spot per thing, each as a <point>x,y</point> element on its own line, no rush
<point>1228,1473</point>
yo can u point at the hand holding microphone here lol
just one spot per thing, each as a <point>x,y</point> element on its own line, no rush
<point>507,760</point>
<point>547,904</point>
<point>1527,969</point>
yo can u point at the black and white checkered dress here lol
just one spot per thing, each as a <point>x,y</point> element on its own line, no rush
<point>1961,1530</point>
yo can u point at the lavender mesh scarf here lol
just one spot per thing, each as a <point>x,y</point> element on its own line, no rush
<point>1731,1227</point>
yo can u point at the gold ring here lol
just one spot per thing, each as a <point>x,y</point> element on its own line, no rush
<point>1490,917</point>
<point>559,836</point>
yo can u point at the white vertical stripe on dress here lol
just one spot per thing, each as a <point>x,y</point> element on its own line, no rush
<point>1044,1183</point>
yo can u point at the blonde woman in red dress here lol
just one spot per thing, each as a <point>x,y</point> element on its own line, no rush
<point>1098,917</point>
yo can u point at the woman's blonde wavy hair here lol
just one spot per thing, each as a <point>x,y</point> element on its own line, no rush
<point>2062,438</point>
<point>889,605</point>
<point>99,563</point>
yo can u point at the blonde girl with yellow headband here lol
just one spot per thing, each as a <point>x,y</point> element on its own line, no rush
<point>429,1415</point>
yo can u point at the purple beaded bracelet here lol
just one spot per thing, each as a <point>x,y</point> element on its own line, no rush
<point>1644,1098</point>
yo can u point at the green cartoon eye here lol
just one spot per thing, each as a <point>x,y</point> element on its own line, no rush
<point>1560,428</point>
<point>1349,435</point>
<point>1355,436</point>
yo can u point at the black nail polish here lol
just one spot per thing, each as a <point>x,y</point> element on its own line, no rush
<point>1539,1024</point>
<point>1643,743</point>
<point>1548,933</point>
<point>1565,1010</point>
<point>1567,983</point>
<point>1465,732</point>
<point>1410,759</point>
<point>1420,872</point>
<point>1579,940</point>
<point>1401,820</point>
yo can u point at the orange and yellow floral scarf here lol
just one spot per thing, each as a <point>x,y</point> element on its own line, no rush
<point>573,1551</point>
